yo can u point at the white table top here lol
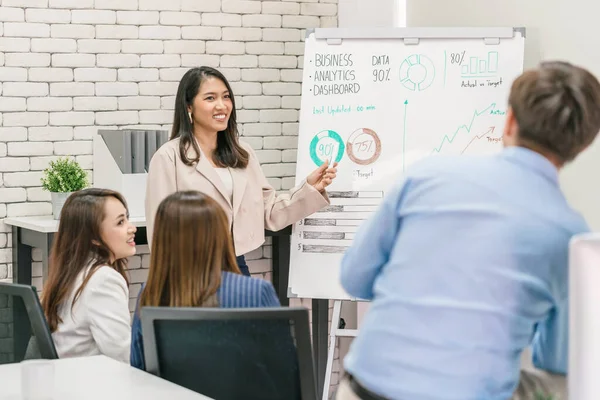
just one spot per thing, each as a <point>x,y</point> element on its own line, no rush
<point>47,224</point>
<point>98,378</point>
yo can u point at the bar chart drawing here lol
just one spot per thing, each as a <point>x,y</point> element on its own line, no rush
<point>332,229</point>
<point>480,67</point>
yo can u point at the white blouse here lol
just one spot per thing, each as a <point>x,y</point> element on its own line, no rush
<point>227,180</point>
<point>99,323</point>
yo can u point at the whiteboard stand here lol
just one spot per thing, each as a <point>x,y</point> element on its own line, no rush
<point>334,333</point>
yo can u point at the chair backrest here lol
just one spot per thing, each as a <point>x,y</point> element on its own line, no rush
<point>226,354</point>
<point>24,331</point>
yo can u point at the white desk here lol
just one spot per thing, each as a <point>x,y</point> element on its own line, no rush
<point>98,378</point>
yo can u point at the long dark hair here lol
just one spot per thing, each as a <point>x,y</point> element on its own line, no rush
<point>228,153</point>
<point>191,245</point>
<point>77,243</point>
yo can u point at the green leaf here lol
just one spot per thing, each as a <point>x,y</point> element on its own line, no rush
<point>64,175</point>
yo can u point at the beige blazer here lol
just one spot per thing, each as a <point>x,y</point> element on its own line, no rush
<point>255,205</point>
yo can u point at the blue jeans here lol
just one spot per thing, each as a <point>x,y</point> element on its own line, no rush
<point>241,261</point>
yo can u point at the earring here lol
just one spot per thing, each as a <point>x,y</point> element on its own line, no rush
<point>190,116</point>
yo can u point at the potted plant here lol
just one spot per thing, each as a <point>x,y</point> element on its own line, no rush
<point>63,177</point>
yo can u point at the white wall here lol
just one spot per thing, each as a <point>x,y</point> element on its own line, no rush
<point>371,13</point>
<point>564,30</point>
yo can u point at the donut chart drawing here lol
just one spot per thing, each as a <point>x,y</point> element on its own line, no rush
<point>417,72</point>
<point>325,145</point>
<point>363,146</point>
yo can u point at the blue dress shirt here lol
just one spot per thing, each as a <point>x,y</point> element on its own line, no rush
<point>236,291</point>
<point>466,264</point>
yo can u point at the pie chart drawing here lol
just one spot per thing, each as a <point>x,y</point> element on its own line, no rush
<point>417,72</point>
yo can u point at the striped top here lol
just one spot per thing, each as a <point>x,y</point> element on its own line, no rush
<point>236,291</point>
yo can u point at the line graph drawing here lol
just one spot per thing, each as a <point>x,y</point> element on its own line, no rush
<point>479,137</point>
<point>450,138</point>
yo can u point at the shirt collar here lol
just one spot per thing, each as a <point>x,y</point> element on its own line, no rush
<point>532,160</point>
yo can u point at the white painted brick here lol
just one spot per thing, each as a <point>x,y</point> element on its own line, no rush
<point>71,4</point>
<point>156,117</point>
<point>13,164</point>
<point>158,88</point>
<point>8,104</point>
<point>264,48</point>
<point>22,179</point>
<point>13,14</point>
<point>3,151</point>
<point>246,88</point>
<point>25,119</point>
<point>26,29</point>
<point>195,60</point>
<point>98,46</point>
<point>288,182</point>
<point>117,60</point>
<point>41,163</point>
<point>138,74</point>
<point>329,22</point>
<point>282,88</point>
<point>73,60</point>
<point>47,16</point>
<point>172,74</point>
<point>275,183</point>
<point>280,142</point>
<point>137,17</point>
<point>279,170</point>
<point>141,46</point>
<point>117,118</point>
<point>281,35</point>
<point>95,103</point>
<point>53,45</point>
<point>294,48</point>
<point>139,103</point>
<point>277,61</point>
<point>73,147</point>
<point>260,75</point>
<point>289,155</point>
<point>184,47</point>
<point>86,161</point>
<point>160,60</point>
<point>17,149</point>
<point>224,47</point>
<point>241,6</point>
<point>13,134</point>
<point>1,64</point>
<point>204,6</point>
<point>300,21</point>
<point>71,118</point>
<point>242,34</point>
<point>13,74</point>
<point>15,44</point>
<point>167,102</point>
<point>116,32</point>
<point>24,89</point>
<point>220,19</point>
<point>71,89</point>
<point>160,5</point>
<point>28,209</point>
<point>290,129</point>
<point>160,32</point>
<point>290,102</point>
<point>179,18</point>
<point>116,4</point>
<point>232,74</point>
<point>262,21</point>
<point>259,266</point>
<point>245,61</point>
<point>248,116</point>
<point>262,129</point>
<point>50,133</point>
<point>280,8</point>
<point>255,142</point>
<point>291,75</point>
<point>258,102</point>
<point>73,31</point>
<point>278,115</point>
<point>25,3</point>
<point>201,32</point>
<point>95,74</point>
<point>319,9</point>
<point>49,104</point>
<point>84,132</point>
<point>268,156</point>
<point>38,194</point>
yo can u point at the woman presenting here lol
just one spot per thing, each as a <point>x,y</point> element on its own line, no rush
<point>204,154</point>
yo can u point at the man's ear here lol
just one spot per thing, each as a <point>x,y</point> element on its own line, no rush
<point>510,125</point>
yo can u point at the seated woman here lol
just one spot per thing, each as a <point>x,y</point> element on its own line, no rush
<point>192,264</point>
<point>86,297</point>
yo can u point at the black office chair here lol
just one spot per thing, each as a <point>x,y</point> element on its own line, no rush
<point>23,327</point>
<point>232,354</point>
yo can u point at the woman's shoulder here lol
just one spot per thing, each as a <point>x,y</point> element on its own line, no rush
<point>241,282</point>
<point>169,148</point>
<point>106,276</point>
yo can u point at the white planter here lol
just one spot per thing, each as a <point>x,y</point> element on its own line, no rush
<point>58,200</point>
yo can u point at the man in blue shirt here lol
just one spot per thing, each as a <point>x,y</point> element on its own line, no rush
<point>466,259</point>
